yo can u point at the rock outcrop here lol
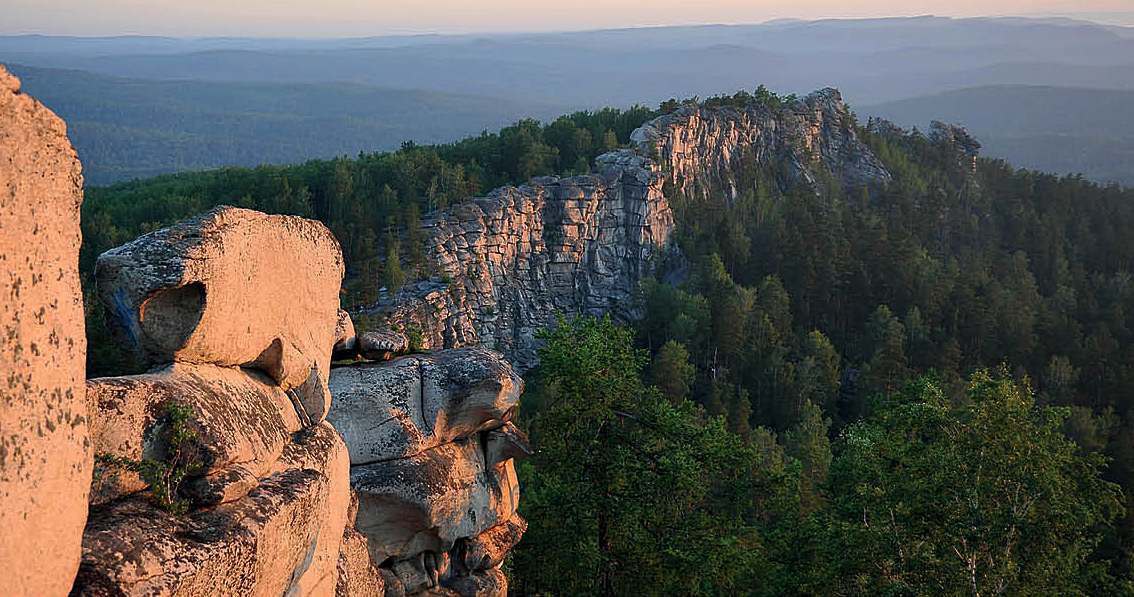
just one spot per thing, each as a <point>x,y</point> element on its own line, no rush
<point>283,538</point>
<point>432,453</point>
<point>505,264</point>
<point>45,455</point>
<point>400,409</point>
<point>704,150</point>
<point>240,310</point>
<point>231,287</point>
<point>242,423</point>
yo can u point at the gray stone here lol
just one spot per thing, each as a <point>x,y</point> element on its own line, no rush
<point>580,245</point>
<point>403,407</point>
<point>427,502</point>
<point>381,345</point>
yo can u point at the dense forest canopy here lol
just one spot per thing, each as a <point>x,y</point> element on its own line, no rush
<point>917,389</point>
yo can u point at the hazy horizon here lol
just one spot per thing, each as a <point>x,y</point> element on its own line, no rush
<point>349,18</point>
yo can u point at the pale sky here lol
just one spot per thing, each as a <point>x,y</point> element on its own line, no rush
<point>332,18</point>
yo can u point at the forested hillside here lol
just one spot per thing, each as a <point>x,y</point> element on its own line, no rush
<point>925,388</point>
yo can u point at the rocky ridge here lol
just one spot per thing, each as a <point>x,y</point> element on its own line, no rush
<point>505,264</point>
<point>387,474</point>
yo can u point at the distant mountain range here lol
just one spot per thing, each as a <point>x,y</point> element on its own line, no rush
<point>245,100</point>
<point>132,128</point>
<point>1064,130</point>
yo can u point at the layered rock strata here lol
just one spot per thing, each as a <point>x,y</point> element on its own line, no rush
<point>432,466</point>
<point>45,454</point>
<point>505,264</point>
<point>240,312</point>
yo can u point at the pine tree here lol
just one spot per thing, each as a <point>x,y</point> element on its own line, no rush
<point>392,275</point>
<point>808,442</point>
<point>671,371</point>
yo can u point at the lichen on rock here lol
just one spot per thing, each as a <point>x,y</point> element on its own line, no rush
<point>45,452</point>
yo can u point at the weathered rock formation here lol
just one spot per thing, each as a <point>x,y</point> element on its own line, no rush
<point>231,287</point>
<point>399,409</point>
<point>507,263</point>
<point>45,455</point>
<point>282,538</point>
<point>240,311</point>
<point>431,451</point>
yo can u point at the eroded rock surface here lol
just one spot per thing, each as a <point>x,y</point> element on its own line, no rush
<point>415,403</point>
<point>242,421</point>
<point>427,502</point>
<point>231,287</point>
<point>432,453</point>
<point>508,262</point>
<point>241,311</point>
<point>45,455</point>
<point>283,538</point>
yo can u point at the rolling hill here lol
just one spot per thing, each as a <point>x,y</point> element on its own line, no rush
<point>133,128</point>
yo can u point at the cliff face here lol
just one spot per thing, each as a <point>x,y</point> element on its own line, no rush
<point>702,150</point>
<point>507,263</point>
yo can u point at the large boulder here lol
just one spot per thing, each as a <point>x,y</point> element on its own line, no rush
<point>404,407</point>
<point>283,538</point>
<point>231,287</point>
<point>426,503</point>
<point>45,455</point>
<point>241,421</point>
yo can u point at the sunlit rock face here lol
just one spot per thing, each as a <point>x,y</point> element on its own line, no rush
<point>239,313</point>
<point>506,263</point>
<point>45,455</point>
<point>281,538</point>
<point>231,287</point>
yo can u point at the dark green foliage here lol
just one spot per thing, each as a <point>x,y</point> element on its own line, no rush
<point>180,460</point>
<point>628,492</point>
<point>817,305</point>
<point>988,498</point>
<point>671,371</point>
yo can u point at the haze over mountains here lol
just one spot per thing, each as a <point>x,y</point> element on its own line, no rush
<point>248,101</point>
<point>1052,129</point>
